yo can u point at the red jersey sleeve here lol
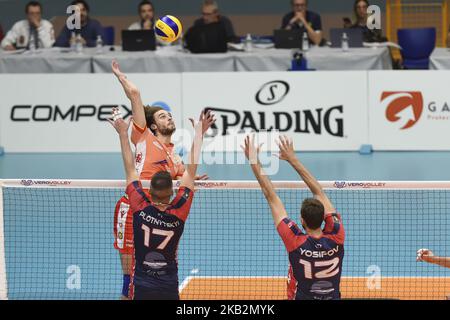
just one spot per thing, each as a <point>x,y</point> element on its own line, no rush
<point>291,234</point>
<point>136,195</point>
<point>123,227</point>
<point>181,205</point>
<point>334,228</point>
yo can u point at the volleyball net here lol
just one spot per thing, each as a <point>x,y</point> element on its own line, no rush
<point>56,240</point>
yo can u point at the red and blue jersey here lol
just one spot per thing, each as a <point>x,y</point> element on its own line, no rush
<point>156,236</point>
<point>315,264</point>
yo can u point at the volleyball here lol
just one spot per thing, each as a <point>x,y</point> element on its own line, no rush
<point>168,28</point>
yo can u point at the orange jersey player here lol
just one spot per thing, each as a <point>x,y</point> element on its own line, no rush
<point>151,134</point>
<point>158,221</point>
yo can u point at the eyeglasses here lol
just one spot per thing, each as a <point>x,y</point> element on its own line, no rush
<point>208,13</point>
<point>299,5</point>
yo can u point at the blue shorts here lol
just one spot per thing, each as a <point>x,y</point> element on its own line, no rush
<point>145,293</point>
<point>156,287</point>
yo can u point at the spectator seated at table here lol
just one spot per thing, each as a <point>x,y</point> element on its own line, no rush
<point>361,15</point>
<point>33,31</point>
<point>1,33</point>
<point>211,14</point>
<point>90,29</point>
<point>146,17</point>
<point>300,18</point>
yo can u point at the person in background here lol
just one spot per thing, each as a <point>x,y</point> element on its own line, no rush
<point>146,17</point>
<point>33,31</point>
<point>300,18</point>
<point>211,14</point>
<point>360,13</point>
<point>90,29</point>
<point>1,33</point>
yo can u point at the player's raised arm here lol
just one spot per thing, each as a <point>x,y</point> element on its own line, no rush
<point>121,127</point>
<point>133,93</point>
<point>287,153</point>
<point>276,205</point>
<point>428,256</point>
<point>205,122</point>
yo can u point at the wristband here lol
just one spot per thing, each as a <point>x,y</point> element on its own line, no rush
<point>126,285</point>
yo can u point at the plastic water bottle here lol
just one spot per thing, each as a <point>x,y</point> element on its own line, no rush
<point>73,44</point>
<point>99,44</point>
<point>248,44</point>
<point>344,42</point>
<point>305,42</point>
<point>78,44</point>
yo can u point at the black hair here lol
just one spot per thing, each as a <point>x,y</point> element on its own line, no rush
<point>145,2</point>
<point>33,4</point>
<point>84,3</point>
<point>161,180</point>
<point>312,213</point>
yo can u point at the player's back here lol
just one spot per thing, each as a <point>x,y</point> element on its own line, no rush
<point>315,264</point>
<point>156,237</point>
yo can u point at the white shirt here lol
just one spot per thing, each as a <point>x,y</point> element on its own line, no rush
<point>135,26</point>
<point>20,35</point>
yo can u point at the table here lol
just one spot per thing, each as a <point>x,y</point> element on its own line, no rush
<point>174,59</point>
<point>46,61</point>
<point>440,59</point>
<point>319,58</point>
<point>166,59</point>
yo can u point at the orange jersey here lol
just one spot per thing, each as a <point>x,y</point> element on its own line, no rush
<point>153,156</point>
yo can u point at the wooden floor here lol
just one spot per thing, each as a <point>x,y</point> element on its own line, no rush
<point>235,288</point>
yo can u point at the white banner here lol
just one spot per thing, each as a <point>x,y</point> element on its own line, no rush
<point>409,110</point>
<point>66,113</point>
<point>319,110</point>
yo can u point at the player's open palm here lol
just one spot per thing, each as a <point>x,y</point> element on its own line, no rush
<point>251,150</point>
<point>286,146</point>
<point>205,121</point>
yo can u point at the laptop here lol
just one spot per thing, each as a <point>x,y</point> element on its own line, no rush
<point>207,38</point>
<point>355,37</point>
<point>288,39</point>
<point>138,40</point>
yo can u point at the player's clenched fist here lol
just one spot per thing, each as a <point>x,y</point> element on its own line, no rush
<point>425,255</point>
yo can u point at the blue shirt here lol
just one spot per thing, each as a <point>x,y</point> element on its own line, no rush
<point>89,32</point>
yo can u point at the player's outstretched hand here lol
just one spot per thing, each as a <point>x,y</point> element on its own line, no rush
<point>250,149</point>
<point>425,255</point>
<point>286,146</point>
<point>116,69</point>
<point>118,123</point>
<point>205,121</point>
<point>131,90</point>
